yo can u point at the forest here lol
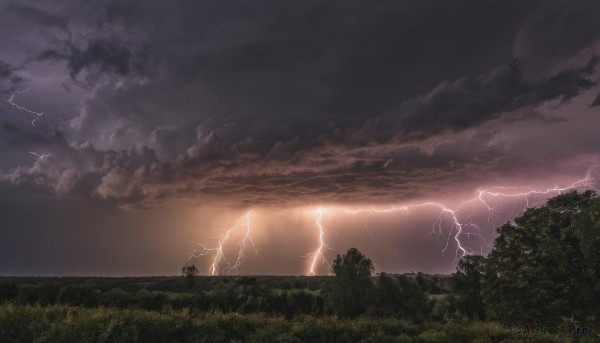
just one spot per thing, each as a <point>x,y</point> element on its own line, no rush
<point>540,283</point>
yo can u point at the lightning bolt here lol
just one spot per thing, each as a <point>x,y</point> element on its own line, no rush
<point>526,192</point>
<point>453,224</point>
<point>458,228</point>
<point>222,240</point>
<point>11,100</point>
<point>318,253</point>
<point>39,157</point>
<point>244,242</point>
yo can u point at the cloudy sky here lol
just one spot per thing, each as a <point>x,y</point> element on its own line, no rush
<point>139,136</point>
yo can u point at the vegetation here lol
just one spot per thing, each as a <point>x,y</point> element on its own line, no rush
<point>348,292</point>
<point>542,267</point>
<point>76,324</point>
<point>542,275</point>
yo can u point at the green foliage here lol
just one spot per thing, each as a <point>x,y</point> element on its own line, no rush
<point>78,295</point>
<point>538,268</point>
<point>74,324</point>
<point>348,291</point>
<point>28,294</point>
<point>190,273</point>
<point>8,291</point>
<point>152,301</point>
<point>466,288</point>
<point>48,293</point>
<point>587,227</point>
<point>400,297</point>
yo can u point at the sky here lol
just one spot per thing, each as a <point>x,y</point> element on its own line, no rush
<point>265,137</point>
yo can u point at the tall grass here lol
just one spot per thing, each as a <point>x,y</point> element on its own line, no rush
<point>25,323</point>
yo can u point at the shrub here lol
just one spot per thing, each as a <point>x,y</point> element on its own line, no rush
<point>78,295</point>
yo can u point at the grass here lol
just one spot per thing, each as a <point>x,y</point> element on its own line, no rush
<point>25,323</point>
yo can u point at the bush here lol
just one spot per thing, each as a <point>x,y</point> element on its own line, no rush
<point>152,301</point>
<point>78,295</point>
<point>8,291</point>
<point>116,297</point>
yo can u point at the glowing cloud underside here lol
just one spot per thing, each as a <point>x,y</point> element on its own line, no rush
<point>447,219</point>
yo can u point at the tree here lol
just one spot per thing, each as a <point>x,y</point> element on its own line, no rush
<point>587,227</point>
<point>348,291</point>
<point>466,287</point>
<point>189,271</point>
<point>400,297</point>
<point>538,270</point>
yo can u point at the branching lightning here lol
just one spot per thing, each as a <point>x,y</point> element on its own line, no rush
<point>526,192</point>
<point>39,156</point>
<point>458,228</point>
<point>318,253</point>
<point>453,224</point>
<point>243,243</point>
<point>11,101</point>
<point>222,240</point>
<point>38,115</point>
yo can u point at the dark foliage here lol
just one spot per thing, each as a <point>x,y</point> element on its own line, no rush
<point>348,292</point>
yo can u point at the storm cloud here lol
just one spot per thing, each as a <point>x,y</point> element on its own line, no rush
<point>270,103</point>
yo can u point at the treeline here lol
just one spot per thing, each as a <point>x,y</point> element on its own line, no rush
<point>243,296</point>
<point>544,267</point>
<point>399,296</point>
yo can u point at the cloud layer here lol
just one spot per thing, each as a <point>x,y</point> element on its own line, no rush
<point>269,103</point>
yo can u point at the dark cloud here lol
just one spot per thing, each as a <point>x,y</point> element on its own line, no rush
<point>228,161</point>
<point>290,172</point>
<point>320,55</point>
<point>33,14</point>
<point>559,32</point>
<point>8,73</point>
<point>154,104</point>
<point>104,54</point>
<point>5,70</point>
<point>596,101</point>
<point>468,102</point>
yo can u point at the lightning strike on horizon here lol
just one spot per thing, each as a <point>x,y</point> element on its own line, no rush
<point>458,227</point>
<point>318,253</point>
<point>219,249</point>
<point>244,242</point>
<point>19,107</point>
<point>448,224</point>
<point>456,224</point>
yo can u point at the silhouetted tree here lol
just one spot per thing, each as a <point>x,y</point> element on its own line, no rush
<point>538,269</point>
<point>189,271</point>
<point>347,292</point>
<point>465,285</point>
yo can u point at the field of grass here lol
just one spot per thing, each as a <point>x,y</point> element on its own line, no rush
<point>228,309</point>
<point>58,323</point>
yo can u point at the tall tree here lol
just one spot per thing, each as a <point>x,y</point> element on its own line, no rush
<point>347,293</point>
<point>537,271</point>
<point>587,227</point>
<point>466,286</point>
